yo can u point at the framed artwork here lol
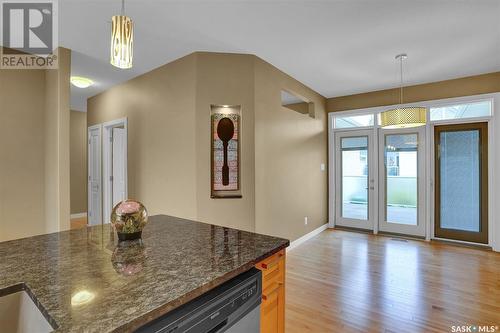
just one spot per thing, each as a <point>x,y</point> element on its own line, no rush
<point>225,151</point>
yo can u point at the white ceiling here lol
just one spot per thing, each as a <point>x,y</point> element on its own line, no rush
<point>335,47</point>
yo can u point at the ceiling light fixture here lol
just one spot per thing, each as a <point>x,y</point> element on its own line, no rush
<point>81,82</point>
<point>403,117</point>
<point>122,40</point>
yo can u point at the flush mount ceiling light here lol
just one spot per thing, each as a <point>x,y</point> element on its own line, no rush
<point>81,82</point>
<point>403,117</point>
<point>122,40</point>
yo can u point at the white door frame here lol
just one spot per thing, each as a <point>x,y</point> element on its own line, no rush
<point>348,222</point>
<point>107,164</point>
<point>91,214</point>
<point>420,229</point>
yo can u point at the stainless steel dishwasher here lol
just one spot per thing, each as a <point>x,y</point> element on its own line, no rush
<point>233,307</point>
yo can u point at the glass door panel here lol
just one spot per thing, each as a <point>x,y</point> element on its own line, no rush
<point>461,182</point>
<point>402,179</point>
<point>401,157</point>
<point>355,177</point>
<point>354,187</point>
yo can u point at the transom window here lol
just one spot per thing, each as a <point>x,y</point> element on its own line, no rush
<point>354,121</point>
<point>460,111</point>
<point>468,110</point>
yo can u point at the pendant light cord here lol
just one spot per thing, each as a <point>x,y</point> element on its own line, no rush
<point>123,7</point>
<point>401,80</point>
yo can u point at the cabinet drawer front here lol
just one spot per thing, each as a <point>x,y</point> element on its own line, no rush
<point>272,261</point>
<point>270,302</point>
<point>274,276</point>
<point>272,291</point>
<point>273,268</point>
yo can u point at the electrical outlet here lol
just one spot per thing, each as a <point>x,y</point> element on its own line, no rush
<point>305,220</point>
<point>322,167</point>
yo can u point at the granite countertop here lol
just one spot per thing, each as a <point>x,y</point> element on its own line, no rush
<point>132,282</point>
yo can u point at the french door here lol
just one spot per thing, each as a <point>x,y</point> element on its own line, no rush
<point>402,181</point>
<point>354,179</point>
<point>461,173</point>
<point>401,177</point>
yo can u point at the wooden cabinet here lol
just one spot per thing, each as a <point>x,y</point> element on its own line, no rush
<point>272,311</point>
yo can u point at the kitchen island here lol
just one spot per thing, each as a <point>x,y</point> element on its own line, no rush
<point>86,281</point>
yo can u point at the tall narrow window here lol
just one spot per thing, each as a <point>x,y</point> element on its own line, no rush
<point>461,182</point>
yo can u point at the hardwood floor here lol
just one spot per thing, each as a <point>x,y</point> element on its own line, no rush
<point>78,223</point>
<point>342,281</point>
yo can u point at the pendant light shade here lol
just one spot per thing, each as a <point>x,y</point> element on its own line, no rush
<point>412,116</point>
<point>403,117</point>
<point>122,40</point>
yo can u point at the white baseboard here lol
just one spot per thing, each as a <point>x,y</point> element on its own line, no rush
<point>78,215</point>
<point>307,236</point>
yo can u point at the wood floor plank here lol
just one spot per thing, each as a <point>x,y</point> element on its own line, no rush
<point>342,281</point>
<point>77,223</point>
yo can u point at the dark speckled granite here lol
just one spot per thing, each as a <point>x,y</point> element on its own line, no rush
<point>133,282</point>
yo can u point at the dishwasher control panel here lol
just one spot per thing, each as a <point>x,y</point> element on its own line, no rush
<point>215,311</point>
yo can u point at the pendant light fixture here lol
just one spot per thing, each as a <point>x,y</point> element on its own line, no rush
<point>403,117</point>
<point>122,40</point>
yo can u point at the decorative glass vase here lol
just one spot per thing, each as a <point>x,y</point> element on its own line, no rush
<point>129,218</point>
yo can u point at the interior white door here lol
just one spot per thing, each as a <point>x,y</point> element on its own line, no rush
<point>94,176</point>
<point>402,181</point>
<point>354,180</point>
<point>118,165</point>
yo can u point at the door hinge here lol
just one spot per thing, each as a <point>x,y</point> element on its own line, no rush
<point>110,178</point>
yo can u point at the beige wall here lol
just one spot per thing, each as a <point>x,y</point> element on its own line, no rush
<point>22,99</point>
<point>34,145</point>
<point>467,86</point>
<point>290,147</point>
<point>160,107</point>
<point>78,162</point>
<point>225,79</point>
<point>168,111</point>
